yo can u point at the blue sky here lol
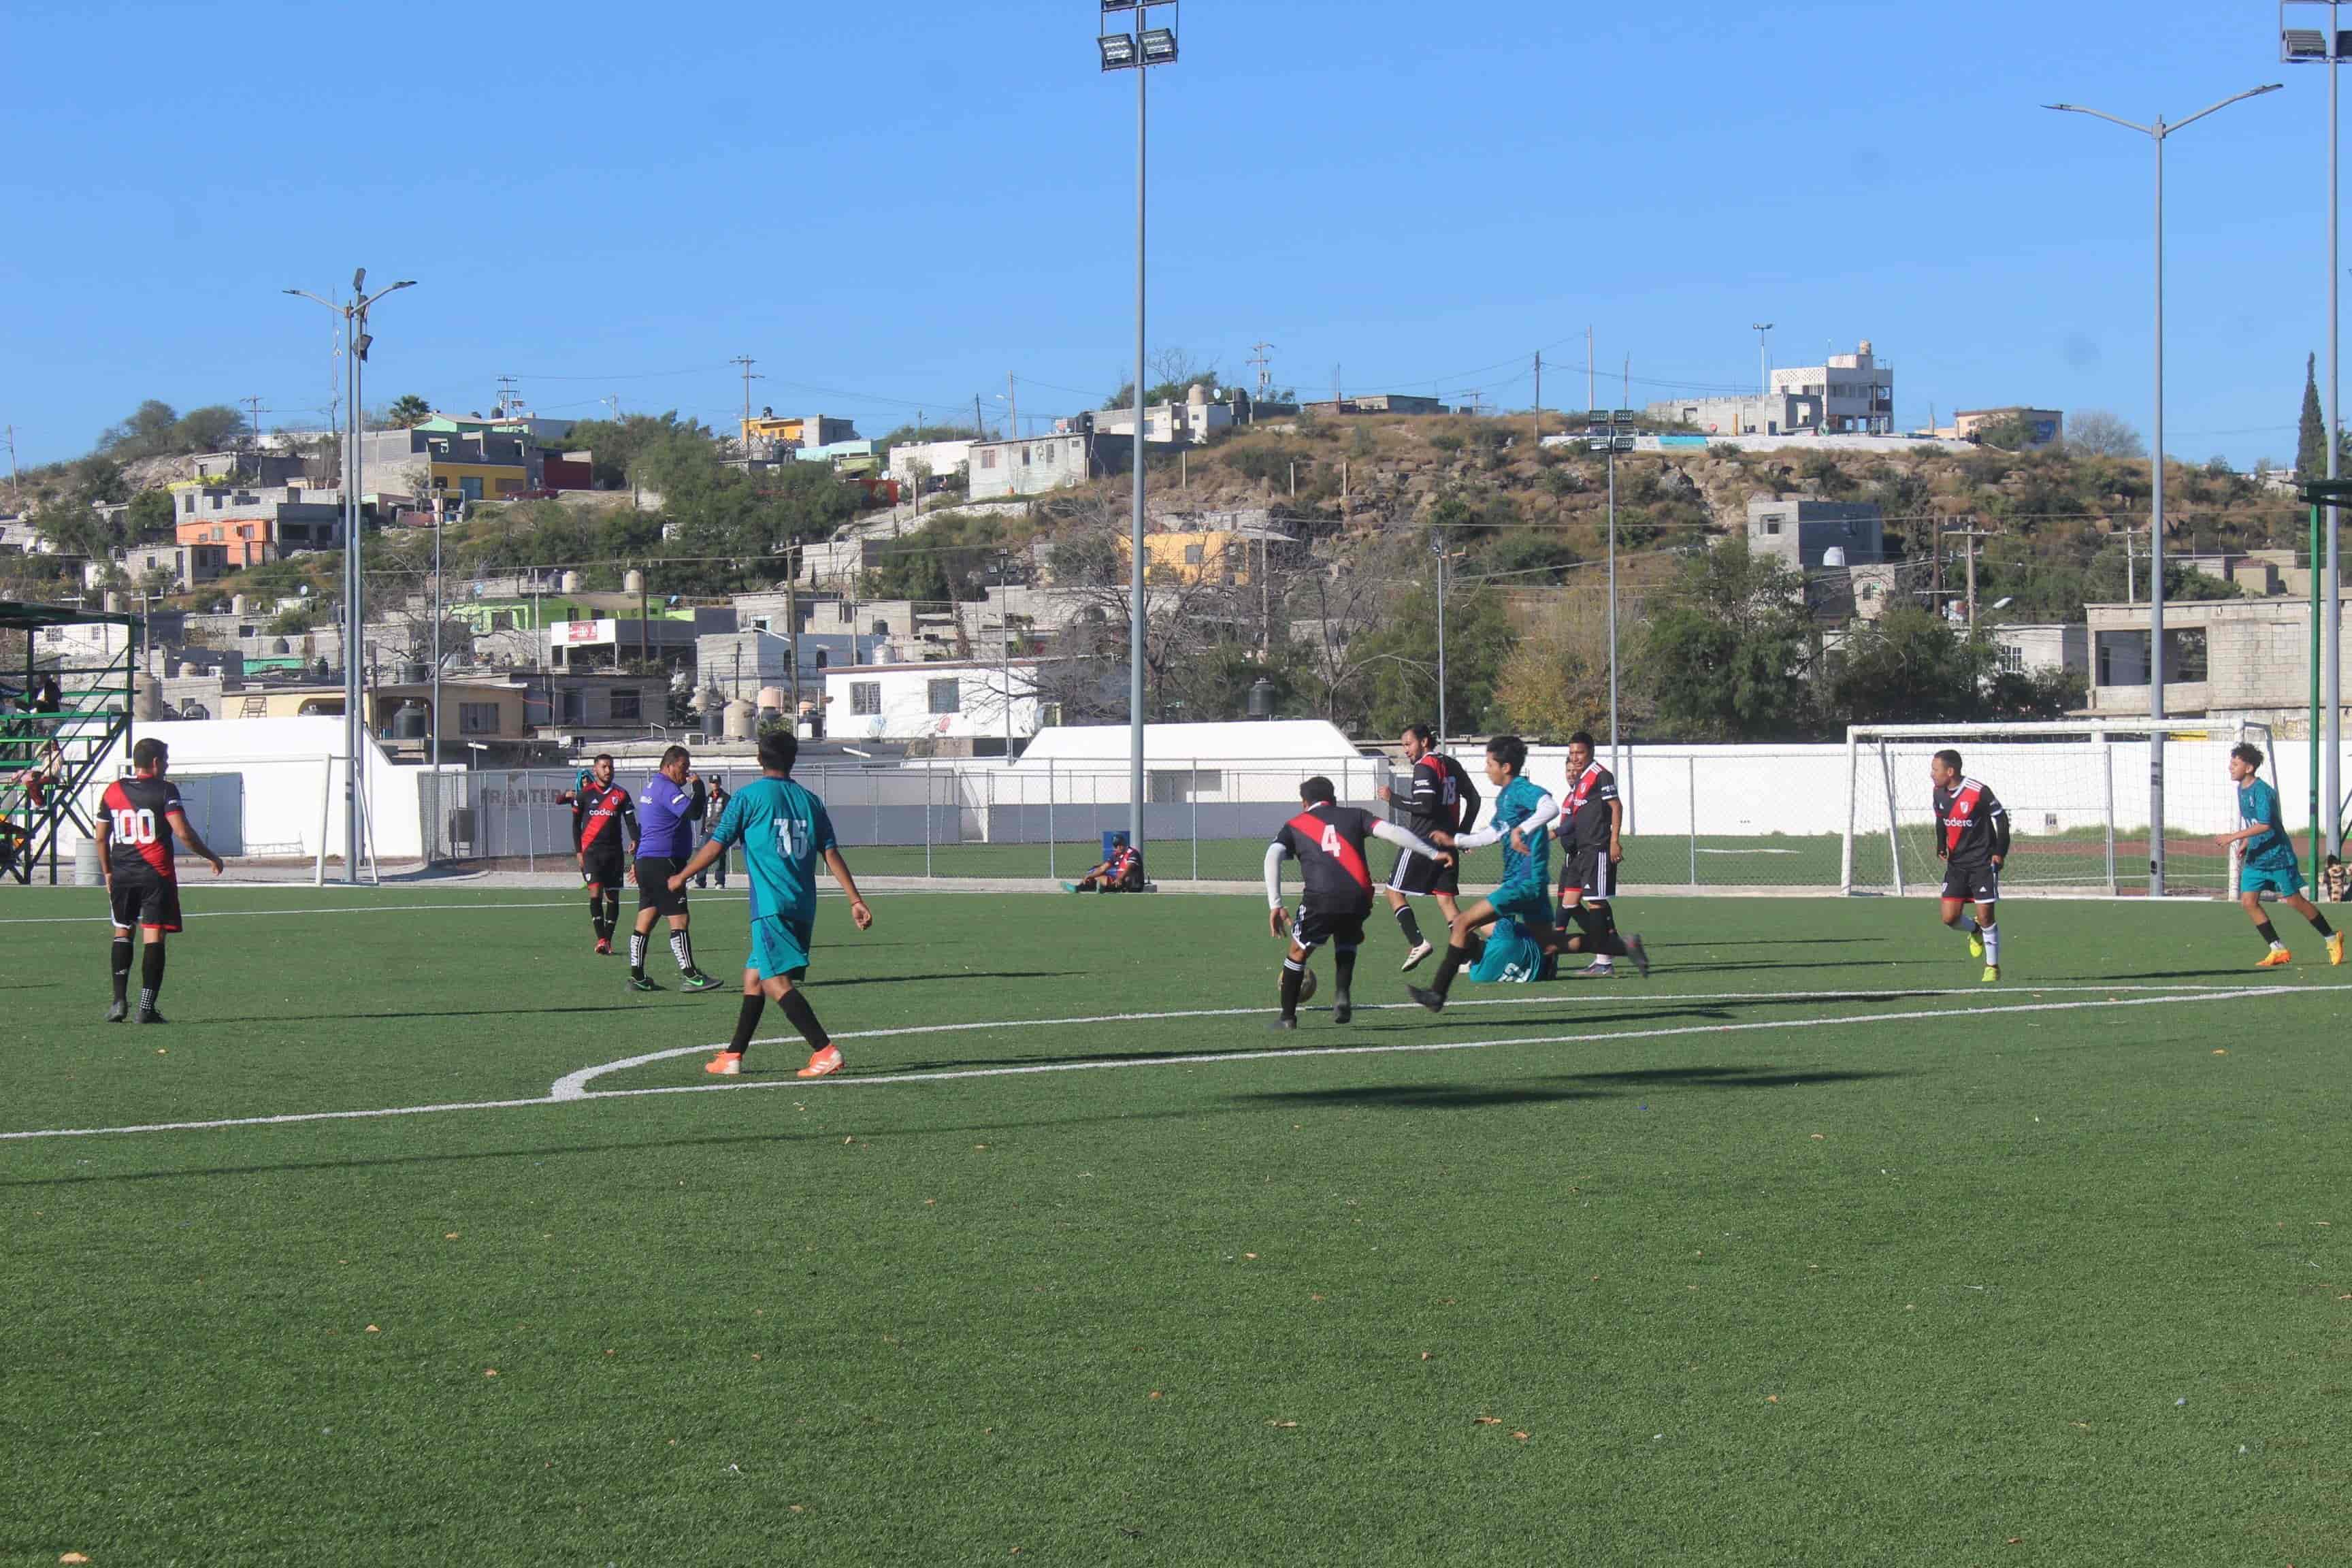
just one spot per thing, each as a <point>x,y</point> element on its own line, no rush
<point>893,207</point>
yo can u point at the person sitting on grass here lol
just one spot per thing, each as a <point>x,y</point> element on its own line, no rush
<point>1122,873</point>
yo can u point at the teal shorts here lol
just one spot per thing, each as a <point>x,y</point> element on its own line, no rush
<point>2285,880</point>
<point>779,947</point>
<point>1529,902</point>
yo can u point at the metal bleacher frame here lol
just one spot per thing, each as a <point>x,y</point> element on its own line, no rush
<point>94,722</point>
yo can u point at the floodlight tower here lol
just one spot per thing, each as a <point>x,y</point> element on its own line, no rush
<point>1152,43</point>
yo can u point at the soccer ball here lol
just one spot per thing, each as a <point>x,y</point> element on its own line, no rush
<point>1307,985</point>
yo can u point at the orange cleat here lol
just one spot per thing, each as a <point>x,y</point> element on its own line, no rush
<point>2276,958</point>
<point>2335,948</point>
<point>726,1064</point>
<point>821,1063</point>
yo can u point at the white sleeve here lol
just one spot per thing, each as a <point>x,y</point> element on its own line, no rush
<point>1546,810</point>
<point>1403,839</point>
<point>1275,856</point>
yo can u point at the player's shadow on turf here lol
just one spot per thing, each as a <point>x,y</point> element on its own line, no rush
<point>1568,1086</point>
<point>962,974</point>
<point>2242,972</point>
<point>1776,942</point>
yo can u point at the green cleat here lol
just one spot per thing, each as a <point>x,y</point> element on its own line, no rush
<point>1975,945</point>
<point>639,983</point>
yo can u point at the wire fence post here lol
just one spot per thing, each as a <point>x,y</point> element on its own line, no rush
<point>927,817</point>
<point>1051,870</point>
<point>1691,763</point>
<point>1193,789</point>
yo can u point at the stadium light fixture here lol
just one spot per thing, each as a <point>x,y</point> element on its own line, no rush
<point>1122,50</point>
<point>2311,45</point>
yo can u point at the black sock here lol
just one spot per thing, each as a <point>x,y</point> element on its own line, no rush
<point>1294,975</point>
<point>1456,957</point>
<point>1410,925</point>
<point>612,910</point>
<point>1343,966</point>
<point>747,1022</point>
<point>682,949</point>
<point>2319,923</point>
<point>121,961</point>
<point>2267,932</point>
<point>1607,944</point>
<point>803,1018</point>
<point>597,917</point>
<point>151,976</point>
<point>638,954</point>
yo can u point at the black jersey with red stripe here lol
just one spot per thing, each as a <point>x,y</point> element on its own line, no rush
<point>1973,825</point>
<point>139,826</point>
<point>1328,842</point>
<point>1585,817</point>
<point>1440,799</point>
<point>603,811</point>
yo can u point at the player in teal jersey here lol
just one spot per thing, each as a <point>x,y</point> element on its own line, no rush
<point>784,832</point>
<point>1522,811</point>
<point>2270,863</point>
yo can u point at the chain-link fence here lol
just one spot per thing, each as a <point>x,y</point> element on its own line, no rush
<point>1693,821</point>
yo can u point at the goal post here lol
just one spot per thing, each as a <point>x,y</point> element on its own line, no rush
<point>2077,827</point>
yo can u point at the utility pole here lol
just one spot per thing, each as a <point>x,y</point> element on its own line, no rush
<point>747,361</point>
<point>793,625</point>
<point>976,422</point>
<point>612,402</point>
<point>1336,394</point>
<point>14,480</point>
<point>1972,533</point>
<point>1437,548</point>
<point>254,404</point>
<point>1013,404</point>
<point>1538,397</point>
<point>509,402</point>
<point>1592,398</point>
<point>1265,377</point>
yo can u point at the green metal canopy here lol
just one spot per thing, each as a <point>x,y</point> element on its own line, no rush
<point>15,616</point>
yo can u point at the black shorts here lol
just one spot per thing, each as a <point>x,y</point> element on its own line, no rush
<point>1415,875</point>
<point>653,872</point>
<point>1341,928</point>
<point>1589,872</point>
<point>148,903</point>
<point>1980,883</point>
<point>604,868</point>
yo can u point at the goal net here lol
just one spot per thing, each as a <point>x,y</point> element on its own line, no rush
<point>2078,797</point>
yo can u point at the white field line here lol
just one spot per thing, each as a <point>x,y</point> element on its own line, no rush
<point>578,1094</point>
<point>101,918</point>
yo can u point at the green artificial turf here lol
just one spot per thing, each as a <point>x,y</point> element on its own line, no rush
<point>2063,1287</point>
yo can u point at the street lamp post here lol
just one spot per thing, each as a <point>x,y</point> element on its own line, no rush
<point>355,313</point>
<point>2308,46</point>
<point>1148,46</point>
<point>1437,548</point>
<point>2156,132</point>
<point>1763,361</point>
<point>1612,431</point>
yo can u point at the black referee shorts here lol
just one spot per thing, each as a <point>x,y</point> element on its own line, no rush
<point>653,872</point>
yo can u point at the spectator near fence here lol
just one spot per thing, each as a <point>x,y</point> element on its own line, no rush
<point>715,808</point>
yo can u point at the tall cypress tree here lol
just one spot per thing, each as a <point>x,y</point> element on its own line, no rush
<point>2311,437</point>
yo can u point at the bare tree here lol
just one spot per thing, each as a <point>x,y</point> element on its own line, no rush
<point>2099,433</point>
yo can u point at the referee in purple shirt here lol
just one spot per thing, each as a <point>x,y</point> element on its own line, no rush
<point>666,813</point>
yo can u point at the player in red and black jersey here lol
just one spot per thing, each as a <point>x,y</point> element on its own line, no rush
<point>602,813</point>
<point>1972,841</point>
<point>1326,839</point>
<point>1590,820</point>
<point>1440,799</point>
<point>137,820</point>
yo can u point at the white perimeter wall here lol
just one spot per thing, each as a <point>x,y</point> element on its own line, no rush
<point>292,771</point>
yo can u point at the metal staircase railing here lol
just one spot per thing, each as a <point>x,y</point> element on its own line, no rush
<point>37,802</point>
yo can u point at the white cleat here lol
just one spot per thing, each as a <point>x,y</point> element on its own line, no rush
<point>1420,949</point>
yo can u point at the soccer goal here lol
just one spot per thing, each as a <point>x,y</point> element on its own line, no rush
<point>2078,797</point>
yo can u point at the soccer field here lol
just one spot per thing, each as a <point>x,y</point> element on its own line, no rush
<point>1811,1249</point>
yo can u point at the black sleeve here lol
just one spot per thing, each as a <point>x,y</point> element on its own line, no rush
<point>1999,826</point>
<point>1428,792</point>
<point>629,816</point>
<point>1468,793</point>
<point>700,807</point>
<point>1288,839</point>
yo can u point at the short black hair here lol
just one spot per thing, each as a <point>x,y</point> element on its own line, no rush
<point>779,749</point>
<point>148,754</point>
<point>1582,738</point>
<point>1950,759</point>
<point>600,757</point>
<point>2248,754</point>
<point>1421,733</point>
<point>1318,791</point>
<point>674,755</point>
<point>1510,751</point>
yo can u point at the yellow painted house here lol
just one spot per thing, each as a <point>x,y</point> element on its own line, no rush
<point>1221,555</point>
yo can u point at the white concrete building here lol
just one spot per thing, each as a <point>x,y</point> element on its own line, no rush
<point>941,461</point>
<point>1043,463</point>
<point>947,699</point>
<point>2036,649</point>
<point>1857,392</point>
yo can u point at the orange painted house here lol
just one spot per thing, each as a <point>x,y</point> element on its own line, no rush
<point>250,541</point>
